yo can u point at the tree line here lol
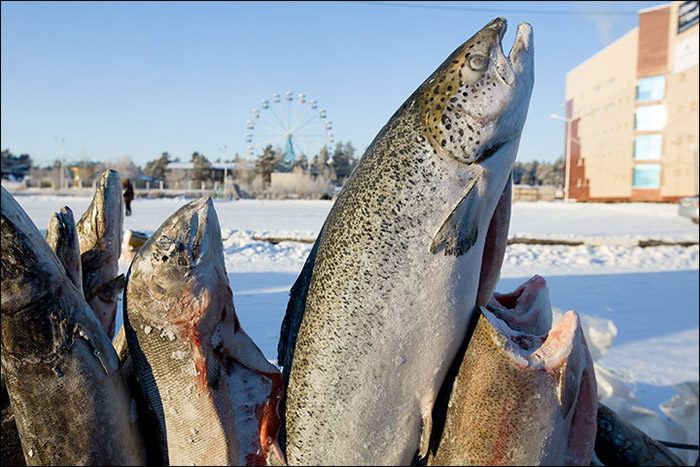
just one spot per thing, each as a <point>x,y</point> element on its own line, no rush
<point>325,169</point>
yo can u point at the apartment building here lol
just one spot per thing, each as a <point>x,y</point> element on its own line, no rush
<point>632,113</point>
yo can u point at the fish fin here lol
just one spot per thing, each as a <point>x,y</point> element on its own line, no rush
<point>110,289</point>
<point>426,430</point>
<point>275,455</point>
<point>95,259</point>
<point>460,230</point>
<point>213,370</point>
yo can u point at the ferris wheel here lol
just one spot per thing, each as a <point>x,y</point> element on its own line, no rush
<point>294,124</point>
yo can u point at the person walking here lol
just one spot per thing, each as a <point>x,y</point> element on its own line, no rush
<point>128,191</point>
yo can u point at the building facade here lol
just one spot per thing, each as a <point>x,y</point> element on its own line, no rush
<point>632,113</point>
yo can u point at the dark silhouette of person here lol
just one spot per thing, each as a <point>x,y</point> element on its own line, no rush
<point>128,191</point>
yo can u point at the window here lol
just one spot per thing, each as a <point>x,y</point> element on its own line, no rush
<point>647,147</point>
<point>646,176</point>
<point>651,89</point>
<point>650,118</point>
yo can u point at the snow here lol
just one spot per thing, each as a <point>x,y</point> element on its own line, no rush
<point>650,294</point>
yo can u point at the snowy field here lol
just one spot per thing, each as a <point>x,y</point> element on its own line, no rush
<point>650,294</point>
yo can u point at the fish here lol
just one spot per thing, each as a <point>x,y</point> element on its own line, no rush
<point>62,237</point>
<point>10,444</point>
<point>100,238</point>
<point>409,249</point>
<point>70,402</point>
<point>618,442</point>
<point>63,240</point>
<point>524,392</point>
<point>214,394</point>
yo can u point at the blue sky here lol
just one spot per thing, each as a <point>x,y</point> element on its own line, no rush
<point>134,79</point>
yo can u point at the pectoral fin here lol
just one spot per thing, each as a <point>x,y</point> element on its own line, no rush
<point>110,289</point>
<point>460,230</point>
<point>213,370</point>
<point>425,433</point>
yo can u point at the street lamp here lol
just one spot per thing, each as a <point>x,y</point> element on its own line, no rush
<point>61,141</point>
<point>224,150</point>
<point>567,153</point>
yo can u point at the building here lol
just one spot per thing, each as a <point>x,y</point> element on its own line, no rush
<point>632,113</point>
<point>180,174</point>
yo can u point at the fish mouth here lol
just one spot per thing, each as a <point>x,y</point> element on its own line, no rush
<point>524,320</point>
<point>508,68</point>
<point>526,309</point>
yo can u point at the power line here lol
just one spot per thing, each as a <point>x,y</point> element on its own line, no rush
<point>504,10</point>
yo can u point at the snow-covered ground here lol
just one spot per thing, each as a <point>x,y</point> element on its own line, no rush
<point>650,294</point>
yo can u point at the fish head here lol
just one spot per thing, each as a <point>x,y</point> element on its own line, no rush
<point>100,226</point>
<point>477,100</point>
<point>180,267</point>
<point>32,286</point>
<point>522,322</point>
<point>30,270</point>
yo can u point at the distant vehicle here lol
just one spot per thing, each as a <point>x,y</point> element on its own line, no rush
<point>689,207</point>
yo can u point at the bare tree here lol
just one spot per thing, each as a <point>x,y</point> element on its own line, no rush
<point>126,168</point>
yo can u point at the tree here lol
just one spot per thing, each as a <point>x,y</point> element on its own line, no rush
<point>341,162</point>
<point>539,173</point>
<point>126,168</point>
<point>301,162</point>
<point>529,177</point>
<point>156,168</point>
<point>267,163</point>
<point>16,166</point>
<point>201,166</point>
<point>320,166</point>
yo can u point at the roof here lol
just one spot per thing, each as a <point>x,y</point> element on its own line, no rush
<point>213,165</point>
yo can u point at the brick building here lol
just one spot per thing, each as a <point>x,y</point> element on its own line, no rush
<point>632,110</point>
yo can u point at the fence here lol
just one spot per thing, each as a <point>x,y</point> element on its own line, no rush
<point>536,193</point>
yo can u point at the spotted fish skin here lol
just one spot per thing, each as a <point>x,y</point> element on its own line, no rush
<point>524,394</point>
<point>397,270</point>
<point>621,443</point>
<point>70,402</point>
<point>213,393</point>
<point>100,238</point>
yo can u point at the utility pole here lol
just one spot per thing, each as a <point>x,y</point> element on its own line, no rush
<point>570,140</point>
<point>225,152</point>
<point>61,157</point>
<point>567,154</point>
<point>694,148</point>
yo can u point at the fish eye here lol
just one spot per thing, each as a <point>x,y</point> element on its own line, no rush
<point>477,62</point>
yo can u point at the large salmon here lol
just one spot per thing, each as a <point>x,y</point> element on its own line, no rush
<point>70,401</point>
<point>524,393</point>
<point>214,394</point>
<point>100,236</point>
<point>382,304</point>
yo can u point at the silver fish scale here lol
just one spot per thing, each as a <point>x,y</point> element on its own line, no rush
<point>188,423</point>
<point>374,245</point>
